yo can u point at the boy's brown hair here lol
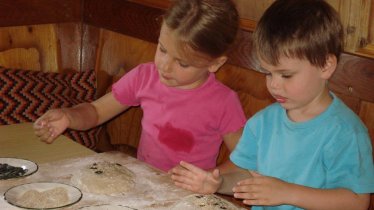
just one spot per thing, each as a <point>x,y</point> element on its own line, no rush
<point>304,29</point>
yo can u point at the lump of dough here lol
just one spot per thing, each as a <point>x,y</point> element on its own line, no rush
<point>104,178</point>
<point>55,197</point>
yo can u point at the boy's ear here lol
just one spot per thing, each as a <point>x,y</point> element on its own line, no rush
<point>217,63</point>
<point>330,66</point>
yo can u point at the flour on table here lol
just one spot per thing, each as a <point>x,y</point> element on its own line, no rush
<point>104,178</point>
<point>204,202</point>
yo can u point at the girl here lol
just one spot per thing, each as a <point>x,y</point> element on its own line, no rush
<point>186,111</point>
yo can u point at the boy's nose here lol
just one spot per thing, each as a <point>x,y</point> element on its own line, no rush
<point>274,83</point>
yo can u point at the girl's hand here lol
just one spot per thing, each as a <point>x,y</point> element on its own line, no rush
<point>190,177</point>
<point>50,125</point>
<point>261,190</point>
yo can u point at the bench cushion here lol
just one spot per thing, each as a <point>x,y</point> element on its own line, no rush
<point>26,95</point>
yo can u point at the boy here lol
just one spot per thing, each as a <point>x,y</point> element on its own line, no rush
<point>309,150</point>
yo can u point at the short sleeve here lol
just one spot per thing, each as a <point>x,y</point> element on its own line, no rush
<point>245,152</point>
<point>126,88</point>
<point>349,162</point>
<point>233,117</point>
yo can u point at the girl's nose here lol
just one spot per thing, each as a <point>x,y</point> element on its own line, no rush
<point>166,64</point>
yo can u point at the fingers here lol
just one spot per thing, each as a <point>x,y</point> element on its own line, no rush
<point>44,132</point>
<point>254,174</point>
<point>216,173</point>
<point>44,127</point>
<point>185,169</point>
<point>184,186</point>
<point>255,179</point>
<point>190,177</point>
<point>191,167</point>
<point>186,179</point>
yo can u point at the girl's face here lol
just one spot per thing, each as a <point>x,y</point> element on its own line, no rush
<point>298,86</point>
<point>176,70</point>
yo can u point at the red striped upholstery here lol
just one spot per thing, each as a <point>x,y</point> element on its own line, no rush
<point>26,95</point>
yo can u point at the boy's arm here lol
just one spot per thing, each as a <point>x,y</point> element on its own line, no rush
<point>269,191</point>
<point>230,179</point>
<point>329,199</point>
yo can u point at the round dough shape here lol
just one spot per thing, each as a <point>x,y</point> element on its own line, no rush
<point>104,178</point>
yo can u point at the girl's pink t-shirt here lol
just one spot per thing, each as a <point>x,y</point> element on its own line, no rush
<point>179,124</point>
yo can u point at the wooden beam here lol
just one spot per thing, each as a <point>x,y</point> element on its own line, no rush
<point>124,17</point>
<point>30,12</point>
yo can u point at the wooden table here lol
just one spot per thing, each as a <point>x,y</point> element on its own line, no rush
<point>19,140</point>
<point>63,159</point>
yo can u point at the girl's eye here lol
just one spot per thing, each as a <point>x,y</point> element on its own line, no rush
<point>162,49</point>
<point>183,65</point>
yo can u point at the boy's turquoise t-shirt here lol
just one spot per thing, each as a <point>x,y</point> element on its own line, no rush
<point>332,150</point>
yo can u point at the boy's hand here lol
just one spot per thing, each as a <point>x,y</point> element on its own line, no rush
<point>190,177</point>
<point>261,190</point>
<point>50,125</point>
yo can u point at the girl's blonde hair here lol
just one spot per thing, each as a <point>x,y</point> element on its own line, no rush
<point>205,26</point>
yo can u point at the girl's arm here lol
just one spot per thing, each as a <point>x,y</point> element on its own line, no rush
<point>80,117</point>
<point>88,115</point>
<point>230,140</point>
<point>198,180</point>
<point>107,107</point>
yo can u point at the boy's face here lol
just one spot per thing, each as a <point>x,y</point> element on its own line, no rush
<point>174,69</point>
<point>298,86</point>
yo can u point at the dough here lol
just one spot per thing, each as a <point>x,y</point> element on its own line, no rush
<point>104,178</point>
<point>204,202</point>
<point>46,199</point>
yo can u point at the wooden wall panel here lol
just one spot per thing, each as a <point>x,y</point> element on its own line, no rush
<point>90,43</point>
<point>354,77</point>
<point>20,58</point>
<point>249,84</point>
<point>70,45</point>
<point>31,12</point>
<point>124,17</point>
<point>62,46</point>
<point>118,52</point>
<point>252,9</point>
<point>41,37</point>
<point>78,43</point>
<point>367,116</point>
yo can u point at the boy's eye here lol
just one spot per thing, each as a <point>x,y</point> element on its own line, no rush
<point>266,73</point>
<point>286,76</point>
